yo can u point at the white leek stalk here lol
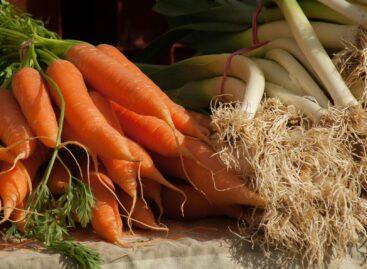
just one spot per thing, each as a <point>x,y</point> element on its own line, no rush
<point>308,107</point>
<point>276,74</point>
<point>198,94</point>
<point>349,10</point>
<point>315,53</point>
<point>296,71</point>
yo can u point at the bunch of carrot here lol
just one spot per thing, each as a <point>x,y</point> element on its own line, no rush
<point>61,95</point>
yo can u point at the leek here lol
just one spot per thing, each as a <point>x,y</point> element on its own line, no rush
<point>349,10</point>
<point>332,36</point>
<point>315,53</point>
<point>296,71</point>
<point>308,107</point>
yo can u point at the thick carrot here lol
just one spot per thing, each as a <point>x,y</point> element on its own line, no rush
<point>182,120</point>
<point>219,185</point>
<point>30,91</point>
<point>14,129</point>
<point>33,163</point>
<point>142,216</point>
<point>106,220</point>
<point>123,173</point>
<point>123,170</point>
<point>105,107</point>
<point>196,207</point>
<point>18,216</point>
<point>13,187</point>
<point>151,132</point>
<point>152,192</point>
<point>82,114</point>
<point>105,74</point>
<point>203,120</point>
<point>59,179</point>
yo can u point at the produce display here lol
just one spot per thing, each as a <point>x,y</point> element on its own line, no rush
<point>266,124</point>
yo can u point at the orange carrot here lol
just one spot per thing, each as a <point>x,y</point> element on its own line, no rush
<point>181,118</point>
<point>105,74</point>
<point>18,216</point>
<point>105,107</point>
<point>196,207</point>
<point>123,173</point>
<point>152,192</point>
<point>59,179</point>
<point>30,91</point>
<point>142,216</point>
<point>33,163</point>
<point>14,129</point>
<point>83,115</point>
<point>13,187</point>
<point>219,185</point>
<point>106,220</point>
<point>118,170</point>
<point>203,120</point>
<point>151,132</point>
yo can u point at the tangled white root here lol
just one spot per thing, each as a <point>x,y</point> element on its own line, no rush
<point>312,177</point>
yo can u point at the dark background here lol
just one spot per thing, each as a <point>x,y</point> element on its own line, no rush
<point>128,24</point>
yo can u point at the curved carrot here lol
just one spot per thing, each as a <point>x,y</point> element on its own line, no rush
<point>106,220</point>
<point>18,216</point>
<point>14,129</point>
<point>59,179</point>
<point>13,187</point>
<point>152,192</point>
<point>142,216</point>
<point>203,120</point>
<point>30,91</point>
<point>125,173</point>
<point>182,120</point>
<point>196,207</point>
<point>105,107</point>
<point>219,185</point>
<point>33,163</point>
<point>83,115</point>
<point>105,74</point>
<point>151,132</point>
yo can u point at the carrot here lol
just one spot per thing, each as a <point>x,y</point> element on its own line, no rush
<point>38,157</point>
<point>13,187</point>
<point>59,179</point>
<point>32,165</point>
<point>18,216</point>
<point>196,207</point>
<point>142,216</point>
<point>152,192</point>
<point>117,170</point>
<point>30,91</point>
<point>122,172</point>
<point>106,220</point>
<point>105,74</point>
<point>127,171</point>
<point>182,120</point>
<point>14,129</point>
<point>105,107</point>
<point>83,115</point>
<point>219,185</point>
<point>151,133</point>
<point>203,120</point>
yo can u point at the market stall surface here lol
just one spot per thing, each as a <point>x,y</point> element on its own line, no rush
<point>198,244</point>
